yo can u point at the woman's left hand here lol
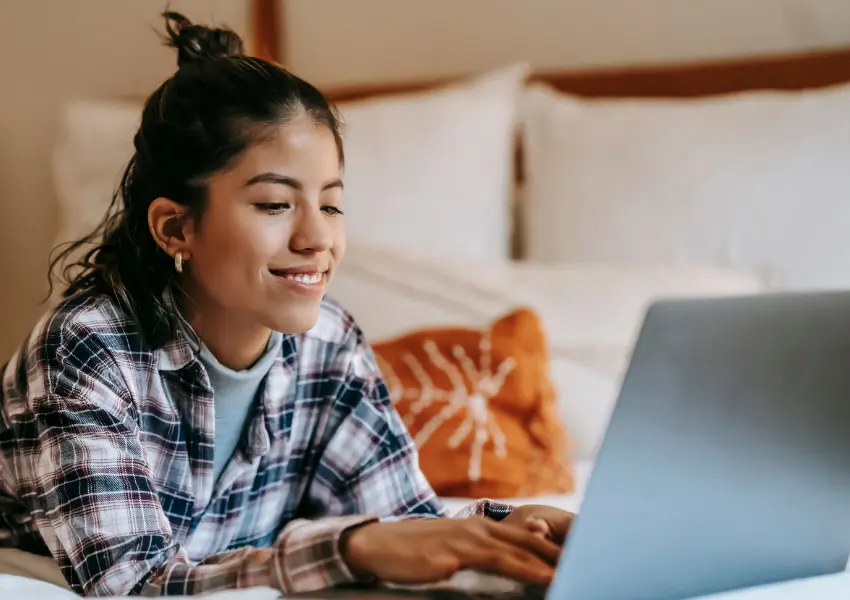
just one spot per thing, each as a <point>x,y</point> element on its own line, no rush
<point>552,523</point>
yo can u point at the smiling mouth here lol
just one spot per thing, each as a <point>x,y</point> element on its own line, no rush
<point>302,278</point>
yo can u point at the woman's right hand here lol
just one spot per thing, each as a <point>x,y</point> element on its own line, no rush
<point>432,550</point>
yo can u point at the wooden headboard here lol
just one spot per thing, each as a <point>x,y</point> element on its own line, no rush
<point>784,72</point>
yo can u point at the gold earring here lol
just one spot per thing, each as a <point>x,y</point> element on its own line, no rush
<point>178,262</point>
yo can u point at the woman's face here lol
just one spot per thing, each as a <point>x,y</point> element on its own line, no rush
<point>271,232</point>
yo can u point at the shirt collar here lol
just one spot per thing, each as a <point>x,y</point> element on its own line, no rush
<point>179,352</point>
<point>176,354</point>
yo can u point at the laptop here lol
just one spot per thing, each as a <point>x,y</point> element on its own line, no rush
<point>726,462</point>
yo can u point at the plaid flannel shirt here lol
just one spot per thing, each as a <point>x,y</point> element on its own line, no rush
<point>106,459</point>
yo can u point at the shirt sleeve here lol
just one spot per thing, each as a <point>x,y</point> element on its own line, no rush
<point>94,501</point>
<point>369,463</point>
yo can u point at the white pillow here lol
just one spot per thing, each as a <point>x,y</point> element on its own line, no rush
<point>432,173</point>
<point>590,313</point>
<point>756,181</point>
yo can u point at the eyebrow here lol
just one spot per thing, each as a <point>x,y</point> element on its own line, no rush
<point>288,181</point>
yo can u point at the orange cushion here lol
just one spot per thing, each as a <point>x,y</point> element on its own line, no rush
<point>481,407</point>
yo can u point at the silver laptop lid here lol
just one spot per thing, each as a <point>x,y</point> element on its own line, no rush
<point>726,463</point>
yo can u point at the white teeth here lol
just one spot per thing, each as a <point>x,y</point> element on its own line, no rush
<point>310,279</point>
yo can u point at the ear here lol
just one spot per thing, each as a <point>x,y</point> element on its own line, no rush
<point>171,226</point>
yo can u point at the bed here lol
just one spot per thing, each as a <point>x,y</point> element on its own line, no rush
<point>572,193</point>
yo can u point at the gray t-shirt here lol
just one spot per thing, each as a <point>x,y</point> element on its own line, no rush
<point>234,397</point>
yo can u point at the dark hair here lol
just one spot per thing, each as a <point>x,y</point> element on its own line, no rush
<point>218,103</point>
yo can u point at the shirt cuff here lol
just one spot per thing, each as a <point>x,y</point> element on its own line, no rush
<point>308,558</point>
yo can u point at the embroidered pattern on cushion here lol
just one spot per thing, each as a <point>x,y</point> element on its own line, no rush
<point>480,407</point>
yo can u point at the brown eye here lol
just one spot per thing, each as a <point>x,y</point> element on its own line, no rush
<point>332,210</point>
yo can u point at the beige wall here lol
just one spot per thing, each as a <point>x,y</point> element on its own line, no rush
<point>52,50</point>
<point>330,41</point>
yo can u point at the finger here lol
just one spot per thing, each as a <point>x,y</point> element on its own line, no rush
<point>519,536</point>
<point>501,558</point>
<point>538,527</point>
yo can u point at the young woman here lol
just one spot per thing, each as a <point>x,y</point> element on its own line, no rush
<point>195,415</point>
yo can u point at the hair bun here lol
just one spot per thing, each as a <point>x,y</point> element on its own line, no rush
<point>196,43</point>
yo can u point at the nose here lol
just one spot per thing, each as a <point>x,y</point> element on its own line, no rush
<point>311,232</point>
